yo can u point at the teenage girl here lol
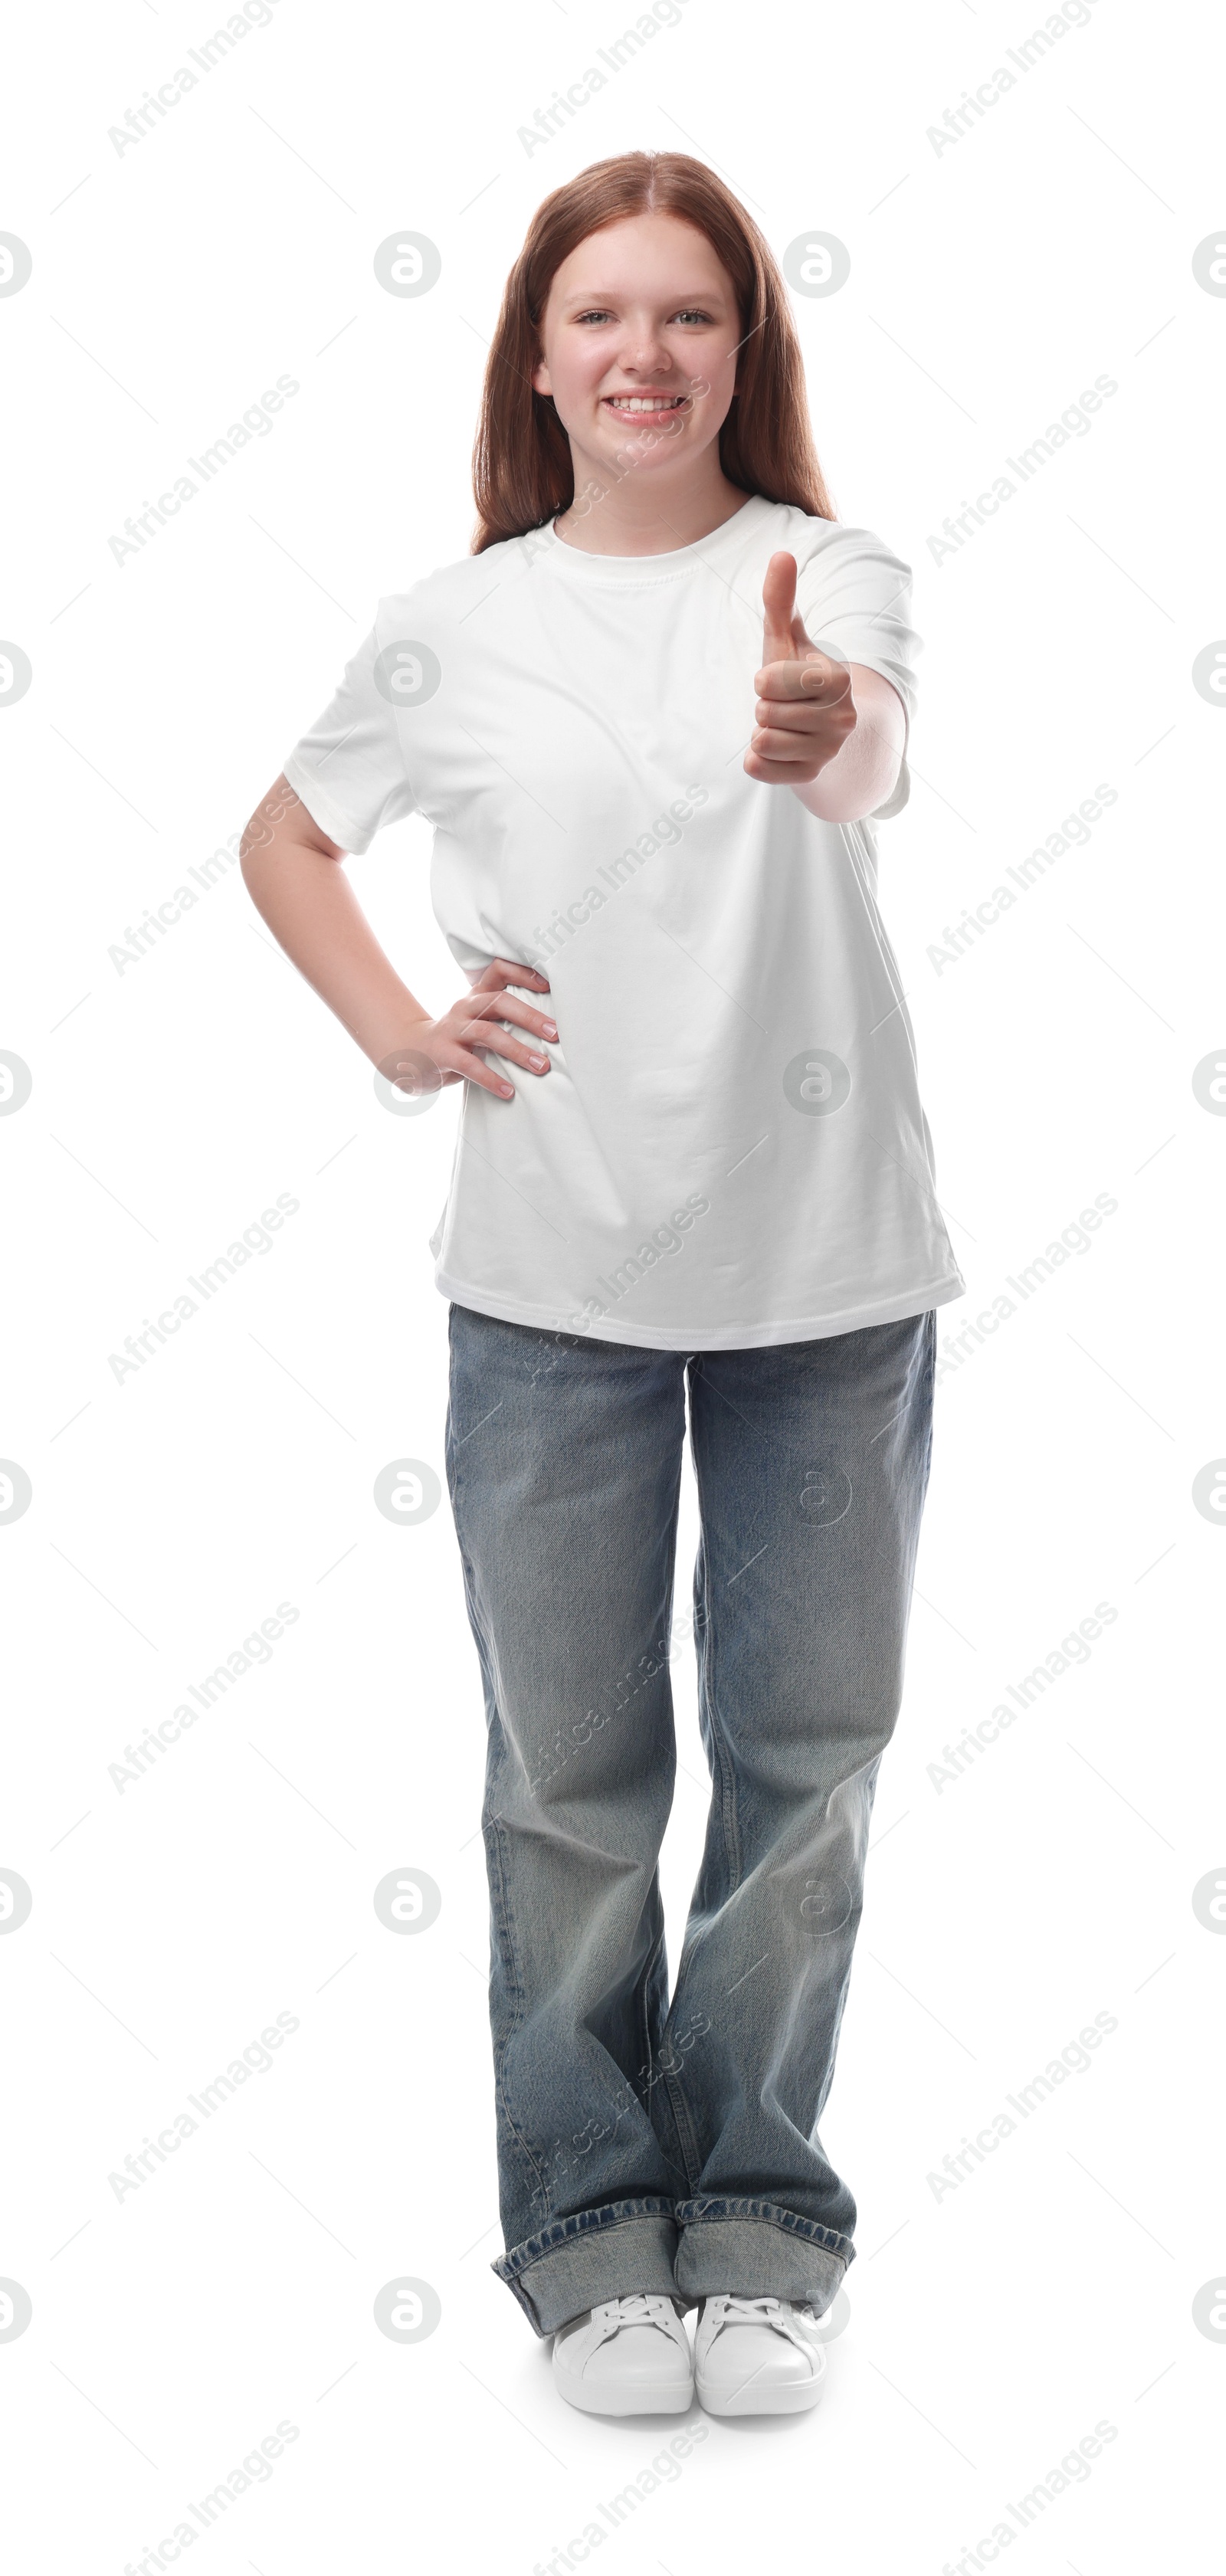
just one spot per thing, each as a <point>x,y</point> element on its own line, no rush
<point>653,717</point>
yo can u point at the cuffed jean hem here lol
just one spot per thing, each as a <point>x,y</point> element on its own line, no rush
<point>757,2250</point>
<point>598,2254</point>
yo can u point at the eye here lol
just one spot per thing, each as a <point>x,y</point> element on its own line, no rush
<point>686,313</point>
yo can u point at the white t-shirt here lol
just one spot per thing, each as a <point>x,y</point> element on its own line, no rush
<point>729,1149</point>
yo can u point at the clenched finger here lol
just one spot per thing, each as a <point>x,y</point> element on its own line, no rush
<point>791,716</point>
<point>785,747</point>
<point>817,680</point>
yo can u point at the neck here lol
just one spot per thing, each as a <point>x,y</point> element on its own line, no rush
<point>624,511</point>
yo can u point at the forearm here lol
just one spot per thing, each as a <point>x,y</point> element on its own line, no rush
<point>864,770</point>
<point>311,909</point>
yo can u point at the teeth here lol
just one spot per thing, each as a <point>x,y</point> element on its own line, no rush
<point>641,402</point>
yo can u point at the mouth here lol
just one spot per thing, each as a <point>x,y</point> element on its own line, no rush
<point>643,406</point>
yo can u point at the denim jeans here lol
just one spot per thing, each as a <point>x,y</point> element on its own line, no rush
<point>643,2143</point>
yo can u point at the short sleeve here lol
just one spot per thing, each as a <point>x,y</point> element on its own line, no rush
<point>855,599</point>
<point>348,767</point>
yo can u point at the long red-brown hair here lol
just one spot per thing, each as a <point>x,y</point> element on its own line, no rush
<point>522,469</point>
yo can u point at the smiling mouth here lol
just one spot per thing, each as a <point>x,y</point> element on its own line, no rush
<point>643,406</point>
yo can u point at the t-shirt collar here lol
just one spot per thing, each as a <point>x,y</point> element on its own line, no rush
<point>584,566</point>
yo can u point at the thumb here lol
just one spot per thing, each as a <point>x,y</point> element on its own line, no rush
<point>779,642</point>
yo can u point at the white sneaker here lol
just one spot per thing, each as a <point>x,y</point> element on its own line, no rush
<point>628,2356</point>
<point>757,2356</point>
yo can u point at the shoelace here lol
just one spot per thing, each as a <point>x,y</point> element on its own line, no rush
<point>767,2312</point>
<point>638,2308</point>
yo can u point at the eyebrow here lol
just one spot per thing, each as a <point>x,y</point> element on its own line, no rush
<point>684,295</point>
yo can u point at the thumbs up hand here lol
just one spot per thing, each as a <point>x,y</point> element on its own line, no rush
<point>805,709</point>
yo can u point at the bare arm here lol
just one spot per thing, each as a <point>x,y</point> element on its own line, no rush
<point>296,880</point>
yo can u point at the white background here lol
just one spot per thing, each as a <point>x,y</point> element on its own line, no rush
<point>991,281</point>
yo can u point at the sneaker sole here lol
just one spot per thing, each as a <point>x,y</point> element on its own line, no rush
<point>657,2400</point>
<point>791,2399</point>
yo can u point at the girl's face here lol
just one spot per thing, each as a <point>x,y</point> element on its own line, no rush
<point>640,335</point>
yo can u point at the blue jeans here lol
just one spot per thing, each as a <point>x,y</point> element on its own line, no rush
<point>643,2143</point>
